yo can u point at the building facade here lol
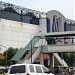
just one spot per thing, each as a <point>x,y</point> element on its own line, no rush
<point>17,24</point>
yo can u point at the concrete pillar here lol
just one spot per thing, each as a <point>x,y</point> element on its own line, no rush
<point>41,57</point>
<point>51,58</point>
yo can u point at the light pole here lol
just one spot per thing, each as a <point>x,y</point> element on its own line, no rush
<point>32,44</point>
<point>6,53</point>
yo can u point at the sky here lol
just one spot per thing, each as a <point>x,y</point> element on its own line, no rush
<point>66,7</point>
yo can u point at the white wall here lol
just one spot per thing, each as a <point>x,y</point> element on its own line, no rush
<point>15,34</point>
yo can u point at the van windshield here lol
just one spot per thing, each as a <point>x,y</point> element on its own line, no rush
<point>17,69</point>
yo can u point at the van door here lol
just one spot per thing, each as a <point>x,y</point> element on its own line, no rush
<point>39,70</point>
<point>32,70</point>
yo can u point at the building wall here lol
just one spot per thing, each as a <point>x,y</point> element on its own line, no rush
<point>17,34</point>
<point>42,25</point>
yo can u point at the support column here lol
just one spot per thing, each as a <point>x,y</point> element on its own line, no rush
<point>41,57</point>
<point>51,57</point>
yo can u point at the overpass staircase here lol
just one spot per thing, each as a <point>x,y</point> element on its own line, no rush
<point>27,59</point>
<point>18,56</point>
<point>35,52</point>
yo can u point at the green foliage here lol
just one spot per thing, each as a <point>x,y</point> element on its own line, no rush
<point>2,61</point>
<point>10,53</point>
<point>70,58</point>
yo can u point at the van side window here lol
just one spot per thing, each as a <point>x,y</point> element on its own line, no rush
<point>44,69</point>
<point>17,69</point>
<point>31,68</point>
<point>38,69</point>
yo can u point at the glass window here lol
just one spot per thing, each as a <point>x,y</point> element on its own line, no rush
<point>45,69</point>
<point>31,68</point>
<point>17,69</point>
<point>38,69</point>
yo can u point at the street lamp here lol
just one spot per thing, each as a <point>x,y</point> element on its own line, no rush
<point>32,45</point>
<point>6,53</point>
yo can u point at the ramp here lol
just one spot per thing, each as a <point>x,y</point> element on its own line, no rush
<point>61,61</point>
<point>35,54</point>
<point>27,59</point>
<point>21,52</point>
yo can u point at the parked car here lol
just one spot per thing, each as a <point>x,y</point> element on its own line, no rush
<point>2,70</point>
<point>71,69</point>
<point>28,69</point>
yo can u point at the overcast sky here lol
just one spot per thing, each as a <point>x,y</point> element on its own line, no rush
<point>66,7</point>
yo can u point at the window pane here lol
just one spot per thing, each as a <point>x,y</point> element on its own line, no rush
<point>17,69</point>
<point>45,69</point>
<point>38,69</point>
<point>31,68</point>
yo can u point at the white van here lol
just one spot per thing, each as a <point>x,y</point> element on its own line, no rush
<point>28,69</point>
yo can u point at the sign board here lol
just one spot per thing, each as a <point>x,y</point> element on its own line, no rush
<point>57,21</point>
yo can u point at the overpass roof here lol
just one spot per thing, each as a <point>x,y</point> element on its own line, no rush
<point>56,34</point>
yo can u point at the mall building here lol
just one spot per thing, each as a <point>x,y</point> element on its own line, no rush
<point>18,24</point>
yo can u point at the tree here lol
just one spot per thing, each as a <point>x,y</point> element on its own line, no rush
<point>2,61</point>
<point>10,53</point>
<point>70,58</point>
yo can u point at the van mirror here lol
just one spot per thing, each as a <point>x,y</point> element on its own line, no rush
<point>49,71</point>
<point>6,70</point>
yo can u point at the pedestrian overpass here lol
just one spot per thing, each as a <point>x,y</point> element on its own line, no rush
<point>58,48</point>
<point>54,45</point>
